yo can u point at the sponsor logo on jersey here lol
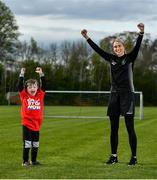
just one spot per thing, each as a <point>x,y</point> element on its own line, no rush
<point>33,104</point>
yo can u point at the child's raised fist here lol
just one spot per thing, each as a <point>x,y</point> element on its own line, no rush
<point>39,70</point>
<point>23,71</point>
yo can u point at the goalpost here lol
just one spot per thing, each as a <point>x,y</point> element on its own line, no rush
<point>78,104</point>
<point>84,104</point>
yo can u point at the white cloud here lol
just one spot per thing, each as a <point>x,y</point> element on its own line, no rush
<point>56,20</point>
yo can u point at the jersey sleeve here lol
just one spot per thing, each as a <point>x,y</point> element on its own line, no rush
<point>21,83</point>
<point>41,92</point>
<point>101,52</point>
<point>133,54</point>
<point>22,94</point>
<point>42,83</point>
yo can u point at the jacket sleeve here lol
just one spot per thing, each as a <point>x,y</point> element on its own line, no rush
<point>133,54</point>
<point>42,82</point>
<point>100,51</point>
<point>21,83</point>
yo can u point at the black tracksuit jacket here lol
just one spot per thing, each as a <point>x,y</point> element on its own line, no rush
<point>121,67</point>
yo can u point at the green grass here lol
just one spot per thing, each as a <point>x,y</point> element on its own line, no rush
<point>77,148</point>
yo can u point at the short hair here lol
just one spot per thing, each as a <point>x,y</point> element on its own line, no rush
<point>30,81</point>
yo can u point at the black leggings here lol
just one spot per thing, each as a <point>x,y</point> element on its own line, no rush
<point>129,122</point>
<point>30,141</point>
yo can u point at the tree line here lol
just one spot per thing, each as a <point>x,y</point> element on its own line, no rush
<point>70,65</point>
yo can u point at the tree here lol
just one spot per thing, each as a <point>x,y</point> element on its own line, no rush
<point>30,51</point>
<point>8,33</point>
<point>154,56</point>
<point>8,40</point>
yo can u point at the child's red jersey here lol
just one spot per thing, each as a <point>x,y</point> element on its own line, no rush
<point>32,109</point>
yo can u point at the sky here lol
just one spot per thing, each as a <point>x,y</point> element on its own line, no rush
<point>50,21</point>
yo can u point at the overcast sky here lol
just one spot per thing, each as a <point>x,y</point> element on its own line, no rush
<point>58,20</point>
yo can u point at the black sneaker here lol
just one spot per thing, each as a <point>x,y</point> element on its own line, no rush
<point>112,160</point>
<point>133,161</point>
<point>36,163</point>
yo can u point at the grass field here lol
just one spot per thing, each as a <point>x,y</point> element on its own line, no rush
<point>77,148</point>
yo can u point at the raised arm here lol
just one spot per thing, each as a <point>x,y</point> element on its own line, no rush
<point>95,47</point>
<point>136,48</point>
<point>21,80</point>
<point>42,78</point>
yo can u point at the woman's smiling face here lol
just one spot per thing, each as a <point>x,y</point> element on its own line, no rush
<point>118,48</point>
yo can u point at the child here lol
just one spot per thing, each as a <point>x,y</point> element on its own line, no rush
<point>31,96</point>
<point>122,91</point>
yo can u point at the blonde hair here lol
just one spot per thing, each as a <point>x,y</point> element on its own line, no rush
<point>119,41</point>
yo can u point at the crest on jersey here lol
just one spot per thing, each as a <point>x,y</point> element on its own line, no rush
<point>113,63</point>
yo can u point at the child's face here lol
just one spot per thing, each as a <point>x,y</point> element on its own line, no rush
<point>118,48</point>
<point>32,89</point>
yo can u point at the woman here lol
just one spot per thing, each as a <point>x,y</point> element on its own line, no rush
<point>122,91</point>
